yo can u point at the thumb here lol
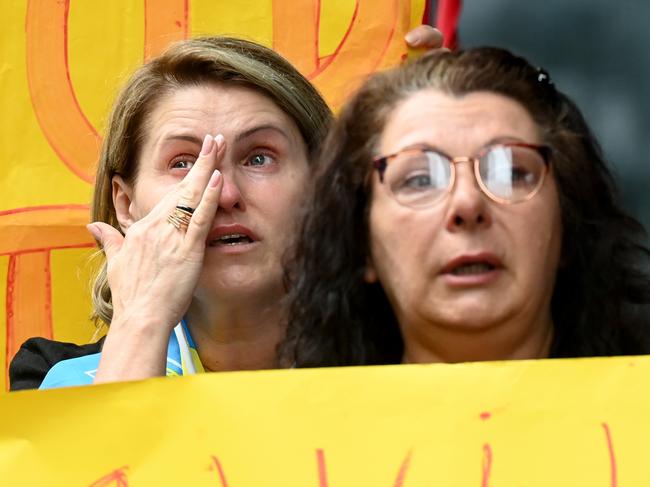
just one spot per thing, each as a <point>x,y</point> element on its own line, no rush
<point>109,238</point>
<point>424,36</point>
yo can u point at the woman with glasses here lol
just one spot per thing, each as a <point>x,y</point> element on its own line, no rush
<point>463,211</point>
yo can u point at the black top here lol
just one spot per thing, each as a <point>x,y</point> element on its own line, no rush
<point>38,355</point>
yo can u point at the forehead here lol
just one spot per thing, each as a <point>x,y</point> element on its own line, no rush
<point>459,125</point>
<point>216,108</point>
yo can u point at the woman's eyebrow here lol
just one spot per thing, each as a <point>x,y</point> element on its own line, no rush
<point>419,145</point>
<point>494,141</point>
<point>259,128</point>
<point>242,135</point>
<point>184,137</point>
<point>423,146</point>
<point>504,139</point>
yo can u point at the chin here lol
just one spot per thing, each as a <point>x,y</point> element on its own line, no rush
<point>470,324</point>
<point>233,284</point>
<point>471,318</point>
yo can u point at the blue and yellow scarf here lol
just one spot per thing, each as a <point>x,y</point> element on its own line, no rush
<point>182,359</point>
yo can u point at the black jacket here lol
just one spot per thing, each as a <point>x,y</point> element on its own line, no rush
<point>38,355</point>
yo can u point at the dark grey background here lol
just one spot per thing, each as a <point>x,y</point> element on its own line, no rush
<point>598,52</point>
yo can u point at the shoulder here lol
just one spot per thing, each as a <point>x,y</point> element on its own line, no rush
<point>37,356</point>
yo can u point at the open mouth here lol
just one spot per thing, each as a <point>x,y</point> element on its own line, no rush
<point>472,268</point>
<point>231,239</point>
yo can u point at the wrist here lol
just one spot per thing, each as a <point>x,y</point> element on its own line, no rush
<point>142,324</point>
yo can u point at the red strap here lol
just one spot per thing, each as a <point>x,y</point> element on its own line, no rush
<point>447,19</point>
<point>426,16</point>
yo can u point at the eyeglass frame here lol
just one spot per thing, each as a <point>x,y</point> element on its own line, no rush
<point>381,163</point>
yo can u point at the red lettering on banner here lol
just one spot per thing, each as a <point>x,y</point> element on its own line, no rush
<point>612,457</point>
<point>322,470</point>
<point>117,477</point>
<point>401,475</point>
<point>487,454</point>
<point>487,465</point>
<point>216,464</point>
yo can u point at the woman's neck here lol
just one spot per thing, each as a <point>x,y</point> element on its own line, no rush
<point>236,336</point>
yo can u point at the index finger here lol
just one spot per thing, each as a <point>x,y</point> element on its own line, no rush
<point>189,191</point>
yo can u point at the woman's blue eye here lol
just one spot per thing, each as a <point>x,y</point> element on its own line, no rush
<point>184,163</point>
<point>258,160</point>
<point>417,181</point>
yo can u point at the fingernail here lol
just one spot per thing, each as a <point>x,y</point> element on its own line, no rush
<point>219,140</point>
<point>207,145</point>
<point>412,38</point>
<point>94,231</point>
<point>214,179</point>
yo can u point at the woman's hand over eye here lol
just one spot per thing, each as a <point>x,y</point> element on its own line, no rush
<point>154,268</point>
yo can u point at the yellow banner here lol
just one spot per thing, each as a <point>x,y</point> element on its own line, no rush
<point>537,423</point>
<point>62,63</point>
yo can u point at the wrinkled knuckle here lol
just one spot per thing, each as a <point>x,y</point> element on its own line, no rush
<point>188,196</point>
<point>199,220</point>
<point>137,232</point>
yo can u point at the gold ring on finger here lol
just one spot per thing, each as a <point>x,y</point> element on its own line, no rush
<point>180,217</point>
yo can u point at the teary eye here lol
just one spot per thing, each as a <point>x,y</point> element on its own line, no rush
<point>258,160</point>
<point>183,162</point>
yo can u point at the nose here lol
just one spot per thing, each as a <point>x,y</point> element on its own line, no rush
<point>231,197</point>
<point>468,208</point>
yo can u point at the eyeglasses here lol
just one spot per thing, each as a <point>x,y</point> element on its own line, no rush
<point>506,173</point>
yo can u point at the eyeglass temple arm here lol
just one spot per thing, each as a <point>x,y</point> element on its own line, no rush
<point>380,165</point>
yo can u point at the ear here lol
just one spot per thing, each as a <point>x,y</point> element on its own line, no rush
<point>122,197</point>
<point>370,274</point>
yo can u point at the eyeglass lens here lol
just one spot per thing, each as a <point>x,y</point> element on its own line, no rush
<point>510,173</point>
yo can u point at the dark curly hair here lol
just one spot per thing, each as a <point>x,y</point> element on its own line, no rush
<point>602,287</point>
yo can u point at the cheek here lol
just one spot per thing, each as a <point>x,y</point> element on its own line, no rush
<point>540,239</point>
<point>553,217</point>
<point>397,239</point>
<point>281,201</point>
<point>555,236</point>
<point>147,195</point>
<point>296,194</point>
<point>297,183</point>
<point>401,259</point>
